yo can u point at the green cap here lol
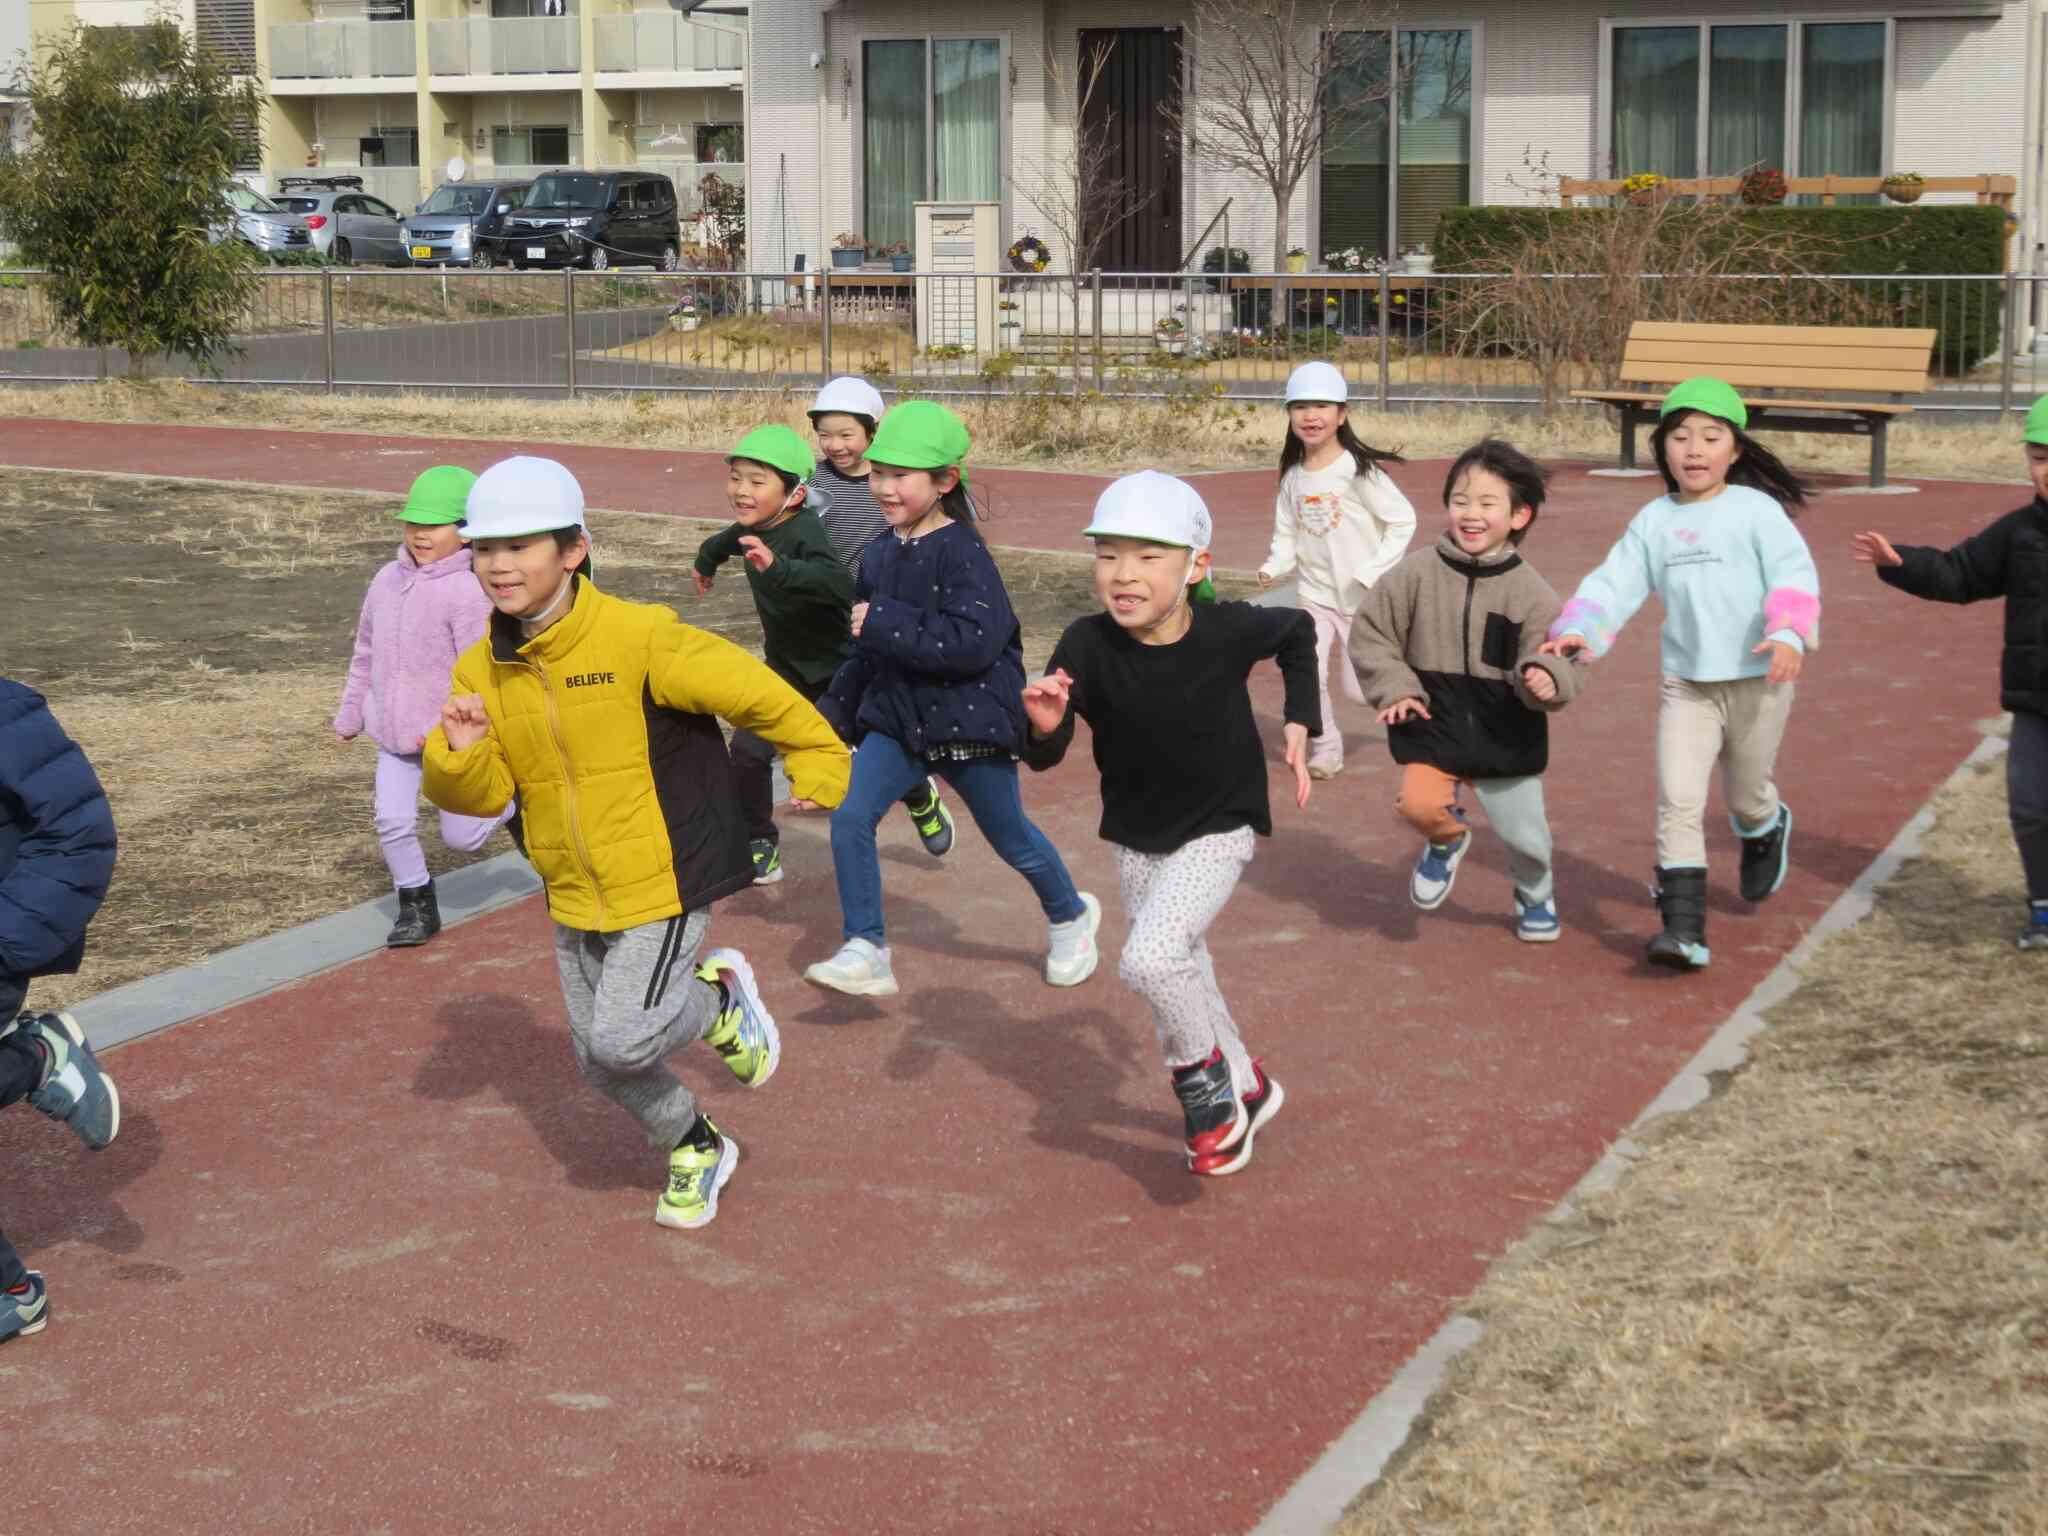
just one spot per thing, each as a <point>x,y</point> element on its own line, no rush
<point>1709,395</point>
<point>921,434</point>
<point>779,448</point>
<point>2037,422</point>
<point>439,495</point>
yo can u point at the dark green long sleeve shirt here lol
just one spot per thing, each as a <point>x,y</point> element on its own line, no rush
<point>804,598</point>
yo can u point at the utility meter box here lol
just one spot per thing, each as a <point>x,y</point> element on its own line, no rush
<point>957,243</point>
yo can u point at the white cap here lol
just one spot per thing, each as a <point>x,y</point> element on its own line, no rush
<point>1317,382</point>
<point>850,396</point>
<point>1156,508</point>
<point>522,495</point>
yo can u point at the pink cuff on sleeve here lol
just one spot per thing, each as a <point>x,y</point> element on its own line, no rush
<point>1790,608</point>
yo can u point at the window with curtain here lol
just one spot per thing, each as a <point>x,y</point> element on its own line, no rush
<point>1656,101</point>
<point>1841,99</point>
<point>1746,100</point>
<point>932,127</point>
<point>1433,93</point>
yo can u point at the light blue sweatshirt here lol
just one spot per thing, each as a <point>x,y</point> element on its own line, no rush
<point>1732,571</point>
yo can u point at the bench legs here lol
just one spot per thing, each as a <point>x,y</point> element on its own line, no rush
<point>1631,417</point>
<point>1877,432</point>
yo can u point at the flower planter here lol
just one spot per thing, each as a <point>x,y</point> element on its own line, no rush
<point>682,322</point>
<point>1175,344</point>
<point>841,257</point>
<point>1297,263</point>
<point>1903,191</point>
<point>900,263</point>
<point>1420,265</point>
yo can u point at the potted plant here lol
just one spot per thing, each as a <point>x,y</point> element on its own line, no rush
<point>1172,333</point>
<point>684,317</point>
<point>1763,188</point>
<point>849,249</point>
<point>1297,260</point>
<point>1419,260</point>
<point>899,256</point>
<point>1645,187</point>
<point>1903,186</point>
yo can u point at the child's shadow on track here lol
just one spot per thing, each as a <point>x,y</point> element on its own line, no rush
<point>491,1045</point>
<point>74,1195</point>
<point>923,939</point>
<point>1072,1063</point>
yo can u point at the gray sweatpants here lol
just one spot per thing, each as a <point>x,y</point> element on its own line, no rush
<point>633,997</point>
<point>1171,899</point>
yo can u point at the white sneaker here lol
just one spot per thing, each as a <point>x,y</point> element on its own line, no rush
<point>1073,956</point>
<point>859,969</point>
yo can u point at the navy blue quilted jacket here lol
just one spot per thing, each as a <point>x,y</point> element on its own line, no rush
<point>56,840</point>
<point>940,659</point>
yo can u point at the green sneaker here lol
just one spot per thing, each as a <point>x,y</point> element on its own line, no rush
<point>695,1176</point>
<point>767,861</point>
<point>745,1034</point>
<point>933,821</point>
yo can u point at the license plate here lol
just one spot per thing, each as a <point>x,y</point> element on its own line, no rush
<point>536,253</point>
<point>422,252</point>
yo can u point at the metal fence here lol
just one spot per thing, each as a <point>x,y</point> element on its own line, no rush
<point>1401,338</point>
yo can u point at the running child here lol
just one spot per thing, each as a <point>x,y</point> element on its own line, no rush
<point>1160,676</point>
<point>423,610</point>
<point>1446,647</point>
<point>844,417</point>
<point>801,592</point>
<point>56,857</point>
<point>2009,560</point>
<point>1741,609</point>
<point>1339,524</point>
<point>602,717</point>
<point>935,686</point>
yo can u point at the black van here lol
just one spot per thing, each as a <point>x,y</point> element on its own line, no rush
<point>595,219</point>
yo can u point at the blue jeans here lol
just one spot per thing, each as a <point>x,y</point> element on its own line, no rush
<point>883,773</point>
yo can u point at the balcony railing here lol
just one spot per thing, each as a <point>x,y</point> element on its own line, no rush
<point>529,45</point>
<point>659,41</point>
<point>341,50</point>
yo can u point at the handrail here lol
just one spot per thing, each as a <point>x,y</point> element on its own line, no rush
<point>1221,213</point>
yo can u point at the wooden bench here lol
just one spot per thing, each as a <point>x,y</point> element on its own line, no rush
<point>1770,366</point>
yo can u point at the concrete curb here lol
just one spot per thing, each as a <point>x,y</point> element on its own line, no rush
<point>264,965</point>
<point>1356,1459</point>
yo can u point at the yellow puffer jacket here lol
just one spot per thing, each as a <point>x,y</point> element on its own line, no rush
<point>605,725</point>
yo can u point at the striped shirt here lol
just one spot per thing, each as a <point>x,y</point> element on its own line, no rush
<point>851,515</point>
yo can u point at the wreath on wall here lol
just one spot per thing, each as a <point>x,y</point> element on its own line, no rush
<point>1029,254</point>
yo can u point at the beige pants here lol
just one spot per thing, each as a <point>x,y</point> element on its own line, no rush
<point>1737,724</point>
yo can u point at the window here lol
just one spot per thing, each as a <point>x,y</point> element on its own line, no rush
<point>530,146</point>
<point>932,120</point>
<point>721,143</point>
<point>1390,172</point>
<point>1703,99</point>
<point>389,146</point>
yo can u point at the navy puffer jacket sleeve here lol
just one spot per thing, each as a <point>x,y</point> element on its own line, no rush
<point>56,840</point>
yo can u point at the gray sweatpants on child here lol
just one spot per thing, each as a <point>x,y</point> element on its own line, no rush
<point>1171,899</point>
<point>633,997</point>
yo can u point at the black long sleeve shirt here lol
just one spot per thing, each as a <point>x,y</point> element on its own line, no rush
<point>1174,736</point>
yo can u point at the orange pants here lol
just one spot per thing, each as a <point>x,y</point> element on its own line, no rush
<point>1514,808</point>
<point>1427,795</point>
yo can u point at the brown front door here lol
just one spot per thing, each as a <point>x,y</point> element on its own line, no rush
<point>1138,91</point>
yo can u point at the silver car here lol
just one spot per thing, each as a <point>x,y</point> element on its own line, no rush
<point>259,223</point>
<point>460,224</point>
<point>348,224</point>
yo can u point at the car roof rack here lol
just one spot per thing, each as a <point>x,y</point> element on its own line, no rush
<point>355,183</point>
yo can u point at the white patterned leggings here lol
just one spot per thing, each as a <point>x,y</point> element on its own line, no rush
<point>1171,899</point>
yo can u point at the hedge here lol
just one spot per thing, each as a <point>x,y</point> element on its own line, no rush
<point>1861,240</point>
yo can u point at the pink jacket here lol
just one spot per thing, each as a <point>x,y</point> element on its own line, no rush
<point>416,620</point>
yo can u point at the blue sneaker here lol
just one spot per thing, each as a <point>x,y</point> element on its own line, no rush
<point>29,1313</point>
<point>74,1090</point>
<point>1536,922</point>
<point>1436,872</point>
<point>2035,934</point>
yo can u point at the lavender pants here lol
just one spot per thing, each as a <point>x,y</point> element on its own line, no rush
<point>398,815</point>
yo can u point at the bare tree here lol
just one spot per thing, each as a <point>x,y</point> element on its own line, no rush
<point>1079,194</point>
<point>1276,81</point>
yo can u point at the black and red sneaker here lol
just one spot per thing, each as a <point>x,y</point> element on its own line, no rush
<point>1216,1119</point>
<point>1260,1105</point>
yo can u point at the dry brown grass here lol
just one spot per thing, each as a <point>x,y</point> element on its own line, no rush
<point>1106,436</point>
<point>1819,1302</point>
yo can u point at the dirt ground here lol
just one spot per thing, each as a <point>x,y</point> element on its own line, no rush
<point>1819,1302</point>
<point>194,640</point>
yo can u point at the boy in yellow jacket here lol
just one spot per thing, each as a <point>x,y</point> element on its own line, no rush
<point>601,716</point>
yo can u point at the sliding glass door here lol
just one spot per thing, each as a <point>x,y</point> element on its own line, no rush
<point>1404,152</point>
<point>932,121</point>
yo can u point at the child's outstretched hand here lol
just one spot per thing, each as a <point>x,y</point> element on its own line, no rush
<point>1873,548</point>
<point>1404,709</point>
<point>1045,701</point>
<point>1567,646</point>
<point>464,721</point>
<point>1296,737</point>
<point>1539,682</point>
<point>700,581</point>
<point>1785,660</point>
<point>797,804</point>
<point>757,554</point>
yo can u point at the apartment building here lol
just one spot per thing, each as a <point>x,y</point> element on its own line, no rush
<point>394,90</point>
